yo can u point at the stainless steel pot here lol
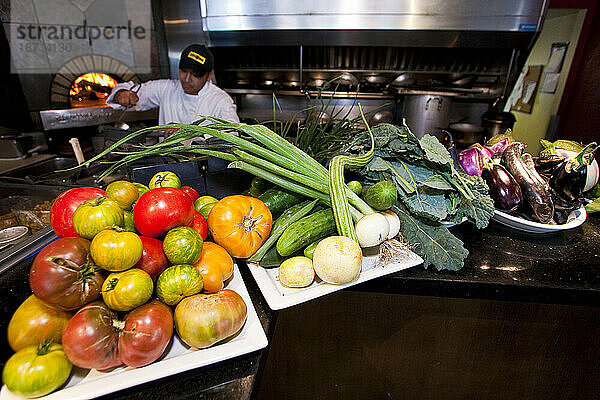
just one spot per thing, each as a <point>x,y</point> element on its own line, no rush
<point>427,113</point>
<point>465,134</point>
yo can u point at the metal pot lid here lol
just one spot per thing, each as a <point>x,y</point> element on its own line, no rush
<point>404,79</point>
<point>465,127</point>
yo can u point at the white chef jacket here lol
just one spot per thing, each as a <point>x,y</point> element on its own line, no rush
<point>176,106</point>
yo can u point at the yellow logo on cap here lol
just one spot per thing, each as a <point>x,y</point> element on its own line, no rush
<point>196,57</point>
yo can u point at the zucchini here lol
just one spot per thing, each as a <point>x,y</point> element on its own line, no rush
<point>278,200</point>
<point>381,196</point>
<point>289,216</point>
<point>305,231</point>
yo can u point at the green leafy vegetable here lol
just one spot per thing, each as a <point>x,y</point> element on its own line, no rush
<point>434,243</point>
<point>430,190</point>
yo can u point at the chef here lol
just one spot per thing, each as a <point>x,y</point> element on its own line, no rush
<point>180,101</point>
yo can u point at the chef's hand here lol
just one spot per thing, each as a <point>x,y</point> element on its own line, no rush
<point>126,98</point>
<point>168,132</point>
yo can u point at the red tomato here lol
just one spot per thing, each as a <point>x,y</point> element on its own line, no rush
<point>199,224</point>
<point>91,337</point>
<point>153,260</point>
<point>63,275</point>
<point>147,332</point>
<point>96,338</point>
<point>61,213</point>
<point>162,209</point>
<point>191,192</point>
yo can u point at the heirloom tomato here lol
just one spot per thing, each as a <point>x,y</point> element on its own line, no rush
<point>161,209</point>
<point>141,188</point>
<point>124,291</point>
<point>191,192</point>
<point>204,200</point>
<point>240,224</point>
<point>91,337</point>
<point>205,319</point>
<point>61,213</point>
<point>64,276</point>
<point>37,370</point>
<point>128,223</point>
<point>123,192</point>
<point>182,245</point>
<point>164,179</point>
<point>153,260</point>
<point>215,266</point>
<point>199,224</point>
<point>115,249</point>
<point>35,321</point>
<point>95,215</point>
<point>147,332</point>
<point>177,282</point>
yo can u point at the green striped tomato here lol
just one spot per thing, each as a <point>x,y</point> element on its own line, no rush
<point>182,245</point>
<point>124,291</point>
<point>97,214</point>
<point>35,371</point>
<point>116,250</point>
<point>177,282</point>
<point>165,179</point>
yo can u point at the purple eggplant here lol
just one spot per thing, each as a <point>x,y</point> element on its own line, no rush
<point>536,190</point>
<point>504,189</point>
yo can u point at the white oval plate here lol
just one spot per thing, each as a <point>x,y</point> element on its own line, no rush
<point>576,218</point>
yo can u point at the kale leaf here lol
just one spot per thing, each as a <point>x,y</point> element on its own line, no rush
<point>430,190</point>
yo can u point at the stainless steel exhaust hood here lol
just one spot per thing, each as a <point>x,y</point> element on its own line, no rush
<point>473,48</point>
<point>433,23</point>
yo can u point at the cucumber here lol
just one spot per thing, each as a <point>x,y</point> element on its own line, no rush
<point>305,231</point>
<point>355,186</point>
<point>271,259</point>
<point>381,196</point>
<point>278,200</point>
<point>291,215</point>
<point>310,249</point>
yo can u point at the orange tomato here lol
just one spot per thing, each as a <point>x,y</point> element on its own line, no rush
<point>215,266</point>
<point>240,224</point>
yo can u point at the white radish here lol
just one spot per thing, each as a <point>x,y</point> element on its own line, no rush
<point>372,230</point>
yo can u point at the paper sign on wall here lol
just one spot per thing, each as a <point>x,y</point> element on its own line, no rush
<point>525,93</point>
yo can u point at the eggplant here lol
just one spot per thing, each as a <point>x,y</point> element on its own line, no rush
<point>504,189</point>
<point>569,184</point>
<point>570,178</point>
<point>535,189</point>
<point>562,207</point>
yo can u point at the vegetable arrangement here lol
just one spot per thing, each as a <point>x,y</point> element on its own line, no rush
<point>105,297</point>
<point>543,189</point>
<point>429,190</point>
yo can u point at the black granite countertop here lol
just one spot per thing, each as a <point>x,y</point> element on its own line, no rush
<point>506,264</point>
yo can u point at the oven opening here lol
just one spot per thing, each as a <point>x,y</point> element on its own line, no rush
<point>91,90</point>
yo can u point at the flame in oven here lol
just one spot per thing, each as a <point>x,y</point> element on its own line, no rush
<point>91,89</point>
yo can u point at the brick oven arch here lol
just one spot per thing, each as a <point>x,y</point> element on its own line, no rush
<point>72,69</point>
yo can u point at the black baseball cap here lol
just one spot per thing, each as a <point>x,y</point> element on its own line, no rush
<point>198,58</point>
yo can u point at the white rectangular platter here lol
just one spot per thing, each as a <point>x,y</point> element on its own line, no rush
<point>279,296</point>
<point>87,384</point>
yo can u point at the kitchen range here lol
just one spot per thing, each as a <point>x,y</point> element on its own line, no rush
<point>371,228</point>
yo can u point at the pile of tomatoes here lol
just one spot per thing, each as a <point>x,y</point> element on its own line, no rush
<point>132,264</point>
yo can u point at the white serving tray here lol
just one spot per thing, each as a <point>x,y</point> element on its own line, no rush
<point>87,384</point>
<point>576,218</point>
<point>279,296</point>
